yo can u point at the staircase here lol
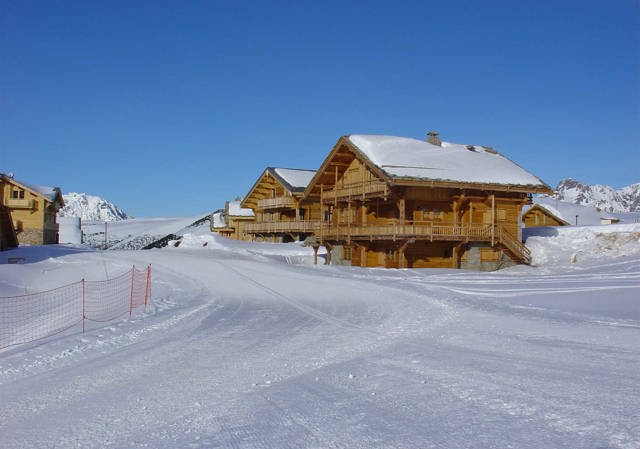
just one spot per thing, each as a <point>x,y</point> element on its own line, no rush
<point>513,247</point>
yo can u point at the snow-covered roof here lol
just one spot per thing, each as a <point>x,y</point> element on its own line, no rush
<point>235,210</point>
<point>403,157</point>
<point>297,179</point>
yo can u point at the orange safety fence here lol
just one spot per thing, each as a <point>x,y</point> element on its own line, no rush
<point>30,317</point>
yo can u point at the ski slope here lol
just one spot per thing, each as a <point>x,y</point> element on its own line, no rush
<point>252,346</point>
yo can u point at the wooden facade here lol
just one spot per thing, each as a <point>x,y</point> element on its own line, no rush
<point>373,219</point>
<point>32,210</point>
<point>275,200</point>
<point>539,215</point>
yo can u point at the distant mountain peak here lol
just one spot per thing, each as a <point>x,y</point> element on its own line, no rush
<point>605,198</point>
<point>90,208</point>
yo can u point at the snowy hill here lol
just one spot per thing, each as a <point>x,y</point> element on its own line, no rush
<point>90,207</point>
<point>248,345</point>
<point>605,198</point>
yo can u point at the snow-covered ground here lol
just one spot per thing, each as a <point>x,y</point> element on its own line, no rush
<point>252,346</point>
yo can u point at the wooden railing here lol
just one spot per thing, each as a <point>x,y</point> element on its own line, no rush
<point>20,203</point>
<point>274,203</point>
<point>408,229</point>
<point>513,245</point>
<point>356,190</point>
<point>266,227</point>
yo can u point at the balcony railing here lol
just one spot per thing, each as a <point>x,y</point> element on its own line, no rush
<point>20,203</point>
<point>267,227</point>
<point>408,229</point>
<point>275,203</point>
<point>356,190</point>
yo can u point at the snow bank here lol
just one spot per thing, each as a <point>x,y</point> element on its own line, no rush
<point>562,246</point>
<point>291,253</point>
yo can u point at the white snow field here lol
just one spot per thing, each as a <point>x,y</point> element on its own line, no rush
<point>252,346</point>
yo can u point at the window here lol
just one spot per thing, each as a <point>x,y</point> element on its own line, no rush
<point>17,194</point>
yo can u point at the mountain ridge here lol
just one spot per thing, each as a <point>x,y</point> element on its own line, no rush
<point>602,197</point>
<point>90,208</point>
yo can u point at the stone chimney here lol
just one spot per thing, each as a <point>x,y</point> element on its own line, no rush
<point>433,138</point>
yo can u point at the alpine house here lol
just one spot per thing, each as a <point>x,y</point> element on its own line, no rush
<point>399,202</point>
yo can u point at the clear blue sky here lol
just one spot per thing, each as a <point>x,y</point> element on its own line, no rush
<point>169,108</point>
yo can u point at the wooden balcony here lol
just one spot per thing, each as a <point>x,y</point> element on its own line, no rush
<point>356,191</point>
<point>22,203</point>
<point>395,230</point>
<point>281,202</point>
<point>275,227</point>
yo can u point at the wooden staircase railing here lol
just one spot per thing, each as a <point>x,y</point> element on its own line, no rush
<point>512,246</point>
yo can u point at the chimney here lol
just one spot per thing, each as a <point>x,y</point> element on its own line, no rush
<point>433,139</point>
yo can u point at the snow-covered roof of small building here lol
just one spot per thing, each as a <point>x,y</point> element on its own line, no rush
<point>294,178</point>
<point>403,157</point>
<point>235,210</point>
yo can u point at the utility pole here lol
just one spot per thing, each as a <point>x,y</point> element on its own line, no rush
<point>105,235</point>
<point>576,220</point>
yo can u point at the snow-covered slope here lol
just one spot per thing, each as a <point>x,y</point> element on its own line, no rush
<point>242,349</point>
<point>90,207</point>
<point>608,199</point>
<point>136,233</point>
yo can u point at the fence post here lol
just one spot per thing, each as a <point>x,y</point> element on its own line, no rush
<point>84,308</point>
<point>147,291</point>
<point>133,274</point>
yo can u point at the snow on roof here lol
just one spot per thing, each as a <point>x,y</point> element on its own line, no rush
<point>404,157</point>
<point>46,191</point>
<point>296,178</point>
<point>235,209</point>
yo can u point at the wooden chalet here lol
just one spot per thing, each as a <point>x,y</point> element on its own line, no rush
<point>275,200</point>
<point>231,222</point>
<point>32,211</point>
<point>398,202</point>
<point>539,215</point>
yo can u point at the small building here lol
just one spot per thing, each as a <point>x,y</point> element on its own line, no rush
<point>232,220</point>
<point>539,215</point>
<point>397,202</point>
<point>609,220</point>
<point>275,200</point>
<point>32,209</point>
